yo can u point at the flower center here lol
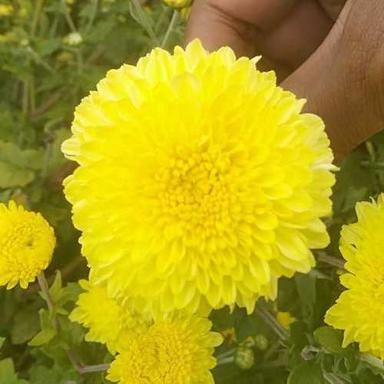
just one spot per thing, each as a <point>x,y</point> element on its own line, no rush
<point>195,191</point>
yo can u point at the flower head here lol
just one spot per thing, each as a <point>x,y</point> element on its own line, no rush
<point>200,182</point>
<point>108,322</point>
<point>359,311</point>
<point>26,245</point>
<point>174,351</point>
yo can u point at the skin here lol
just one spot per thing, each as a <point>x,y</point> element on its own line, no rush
<point>330,52</point>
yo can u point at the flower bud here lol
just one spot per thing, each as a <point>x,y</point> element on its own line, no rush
<point>261,342</point>
<point>73,38</point>
<point>244,357</point>
<point>178,4</point>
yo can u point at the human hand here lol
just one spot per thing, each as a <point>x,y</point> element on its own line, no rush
<point>328,51</point>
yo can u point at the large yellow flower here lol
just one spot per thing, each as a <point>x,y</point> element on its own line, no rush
<point>359,311</point>
<point>26,245</point>
<point>174,351</point>
<point>200,182</point>
<point>108,322</point>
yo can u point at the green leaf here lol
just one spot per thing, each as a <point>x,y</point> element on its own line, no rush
<point>25,324</point>
<point>306,288</point>
<point>43,337</point>
<point>329,338</point>
<point>17,166</point>
<point>2,340</point>
<point>306,373</point>
<point>11,176</point>
<point>7,373</point>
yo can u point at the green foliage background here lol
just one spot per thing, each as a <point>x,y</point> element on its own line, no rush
<point>52,52</point>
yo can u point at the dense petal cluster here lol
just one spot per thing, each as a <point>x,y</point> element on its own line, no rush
<point>359,311</point>
<point>173,351</point>
<point>108,322</point>
<point>26,245</point>
<point>200,181</point>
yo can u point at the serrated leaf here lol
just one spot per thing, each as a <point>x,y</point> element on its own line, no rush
<point>17,166</point>
<point>43,337</point>
<point>11,176</point>
<point>329,338</point>
<point>306,373</point>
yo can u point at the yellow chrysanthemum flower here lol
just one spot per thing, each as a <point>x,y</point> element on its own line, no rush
<point>359,311</point>
<point>175,351</point>
<point>108,322</point>
<point>200,182</point>
<point>26,245</point>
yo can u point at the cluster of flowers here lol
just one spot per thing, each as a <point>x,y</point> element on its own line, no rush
<point>200,183</point>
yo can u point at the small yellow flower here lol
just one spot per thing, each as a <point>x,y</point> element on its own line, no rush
<point>359,311</point>
<point>26,245</point>
<point>174,351</point>
<point>200,181</point>
<point>285,319</point>
<point>6,10</point>
<point>108,322</point>
<point>178,4</point>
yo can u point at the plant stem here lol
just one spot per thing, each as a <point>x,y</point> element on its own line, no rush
<point>271,321</point>
<point>226,354</point>
<point>36,17</point>
<point>226,360</point>
<point>80,368</point>
<point>170,28</point>
<point>331,260</point>
<point>45,290</point>
<point>92,16</point>
<point>68,17</point>
<point>84,369</point>
<point>144,20</point>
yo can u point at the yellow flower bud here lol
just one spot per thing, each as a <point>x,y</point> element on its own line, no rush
<point>178,4</point>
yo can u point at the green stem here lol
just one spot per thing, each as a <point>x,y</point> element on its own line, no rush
<point>226,354</point>
<point>45,290</point>
<point>331,260</point>
<point>227,360</point>
<point>36,17</point>
<point>68,18</point>
<point>170,28</point>
<point>271,321</point>
<point>81,369</point>
<point>92,17</point>
<point>144,20</point>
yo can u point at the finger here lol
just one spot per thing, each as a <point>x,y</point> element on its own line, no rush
<point>216,28</point>
<point>234,23</point>
<point>261,13</point>
<point>297,36</point>
<point>333,7</point>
